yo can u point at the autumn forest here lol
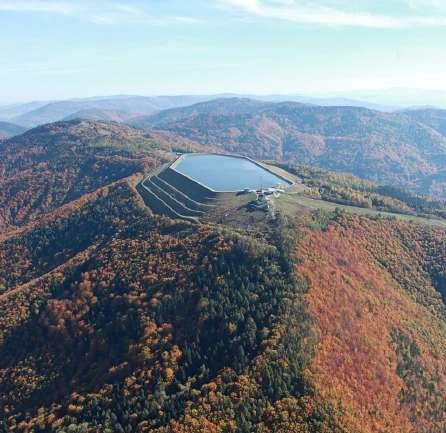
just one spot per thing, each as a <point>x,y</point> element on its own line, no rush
<point>116,319</point>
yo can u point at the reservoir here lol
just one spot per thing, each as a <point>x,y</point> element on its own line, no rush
<point>227,173</point>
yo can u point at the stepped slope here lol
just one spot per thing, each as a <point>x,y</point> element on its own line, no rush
<point>170,193</point>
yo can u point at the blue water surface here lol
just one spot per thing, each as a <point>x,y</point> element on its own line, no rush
<point>227,173</point>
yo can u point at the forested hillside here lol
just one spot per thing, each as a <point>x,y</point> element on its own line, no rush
<point>8,130</point>
<point>113,319</point>
<point>150,324</point>
<point>97,114</point>
<point>54,164</point>
<point>433,117</point>
<point>405,148</point>
<point>376,295</point>
<point>346,189</point>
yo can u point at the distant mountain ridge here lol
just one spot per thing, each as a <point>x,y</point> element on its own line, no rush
<point>40,112</point>
<point>434,117</point>
<point>133,105</point>
<point>8,130</point>
<point>7,112</point>
<point>100,115</point>
<point>215,107</point>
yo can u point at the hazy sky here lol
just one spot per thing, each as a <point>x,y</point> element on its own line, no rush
<point>58,49</point>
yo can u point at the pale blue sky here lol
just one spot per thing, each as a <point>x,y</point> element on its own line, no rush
<point>74,48</point>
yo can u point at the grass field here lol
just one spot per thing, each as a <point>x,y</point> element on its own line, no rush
<point>293,201</point>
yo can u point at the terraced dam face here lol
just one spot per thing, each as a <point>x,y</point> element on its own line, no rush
<point>192,186</point>
<point>222,173</point>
